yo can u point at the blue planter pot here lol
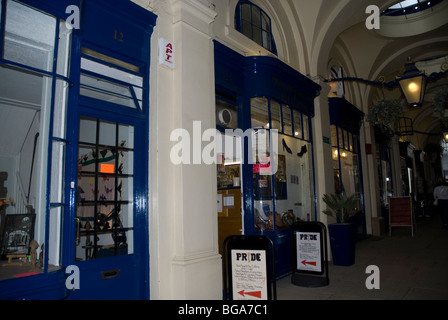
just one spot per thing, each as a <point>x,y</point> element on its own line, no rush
<point>342,243</point>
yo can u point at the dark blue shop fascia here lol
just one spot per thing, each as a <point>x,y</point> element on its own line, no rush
<point>269,77</point>
<point>115,28</point>
<point>345,115</point>
<point>263,76</point>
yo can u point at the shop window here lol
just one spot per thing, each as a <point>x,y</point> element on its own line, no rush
<point>298,131</point>
<point>287,123</point>
<point>260,113</point>
<point>29,36</point>
<point>276,121</point>
<point>345,161</point>
<point>33,100</point>
<point>255,24</point>
<point>288,194</point>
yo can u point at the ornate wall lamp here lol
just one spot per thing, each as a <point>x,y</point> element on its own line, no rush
<point>412,83</point>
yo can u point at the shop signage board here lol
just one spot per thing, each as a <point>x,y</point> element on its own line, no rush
<point>249,278</point>
<point>310,254</point>
<point>400,213</point>
<point>248,268</point>
<point>309,251</point>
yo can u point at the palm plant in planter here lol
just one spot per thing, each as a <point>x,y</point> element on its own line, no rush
<point>342,234</point>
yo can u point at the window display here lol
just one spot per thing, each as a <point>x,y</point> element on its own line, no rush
<point>33,96</point>
<point>345,161</point>
<point>286,196</point>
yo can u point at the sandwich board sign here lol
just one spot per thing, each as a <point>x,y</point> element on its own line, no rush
<point>310,251</point>
<point>248,268</point>
<point>249,277</point>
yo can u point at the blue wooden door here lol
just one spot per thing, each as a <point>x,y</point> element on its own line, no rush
<point>110,216</point>
<point>108,161</point>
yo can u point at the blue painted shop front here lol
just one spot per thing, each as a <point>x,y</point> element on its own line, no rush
<point>93,212</point>
<point>266,94</point>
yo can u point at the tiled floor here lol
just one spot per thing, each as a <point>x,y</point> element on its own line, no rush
<point>411,268</point>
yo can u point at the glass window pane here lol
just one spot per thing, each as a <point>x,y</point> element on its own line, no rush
<point>25,105</point>
<point>345,135</point>
<point>29,36</point>
<point>287,124</point>
<point>341,137</point>
<point>298,124</point>
<point>257,35</point>
<point>293,182</point>
<point>110,72</point>
<point>275,116</point>
<point>127,92</point>
<point>87,130</point>
<point>108,133</point>
<point>107,91</point>
<point>247,29</point>
<point>306,128</point>
<point>350,141</point>
<point>265,22</point>
<point>260,113</point>
<point>126,136</point>
<point>245,12</point>
<point>256,16</point>
<point>266,38</point>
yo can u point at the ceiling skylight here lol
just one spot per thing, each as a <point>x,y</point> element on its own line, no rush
<point>410,6</point>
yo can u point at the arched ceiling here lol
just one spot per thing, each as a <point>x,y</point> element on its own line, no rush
<point>316,35</point>
<point>370,54</point>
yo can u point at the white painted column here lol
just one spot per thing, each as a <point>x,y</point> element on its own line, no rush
<point>323,160</point>
<point>185,263</point>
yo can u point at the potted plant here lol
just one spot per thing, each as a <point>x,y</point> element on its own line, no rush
<point>441,106</point>
<point>342,233</point>
<point>385,114</point>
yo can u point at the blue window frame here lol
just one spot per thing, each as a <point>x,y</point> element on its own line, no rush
<point>35,48</point>
<point>255,24</point>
